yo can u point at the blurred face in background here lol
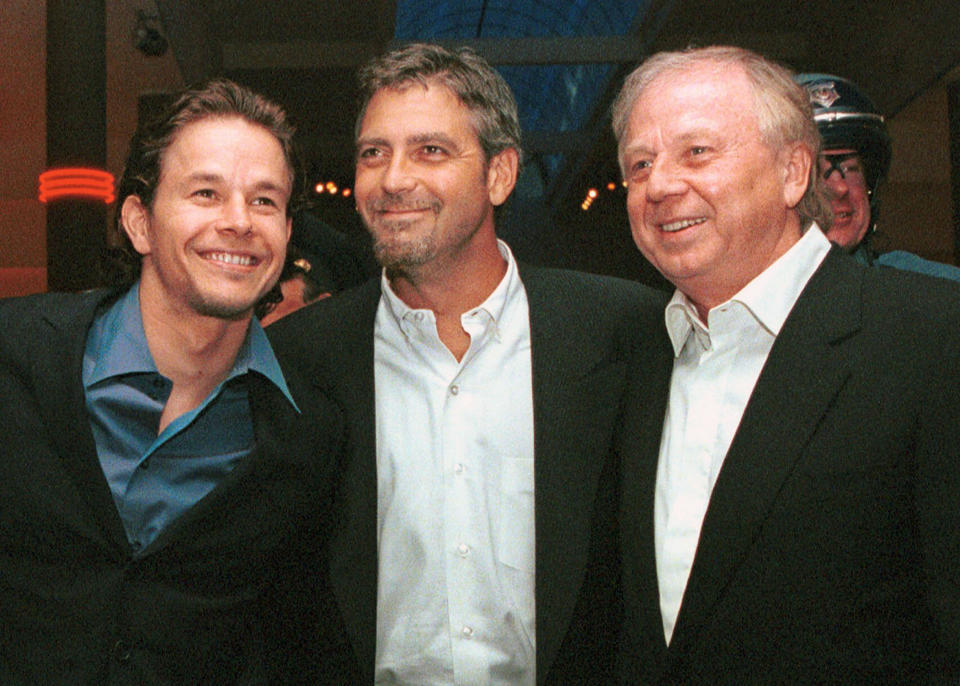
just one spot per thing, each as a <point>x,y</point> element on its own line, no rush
<point>849,199</point>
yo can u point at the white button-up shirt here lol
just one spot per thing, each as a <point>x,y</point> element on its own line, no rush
<point>455,598</point>
<point>714,372</point>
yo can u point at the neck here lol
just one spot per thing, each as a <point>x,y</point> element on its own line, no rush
<point>451,289</point>
<point>452,285</point>
<point>195,352</point>
<point>706,291</point>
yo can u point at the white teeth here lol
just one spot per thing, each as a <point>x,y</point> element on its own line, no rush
<point>243,260</point>
<point>682,224</point>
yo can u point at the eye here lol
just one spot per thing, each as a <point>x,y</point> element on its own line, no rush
<point>637,169</point>
<point>204,193</point>
<point>369,154</point>
<point>698,150</point>
<point>851,168</point>
<point>432,150</point>
<point>265,202</point>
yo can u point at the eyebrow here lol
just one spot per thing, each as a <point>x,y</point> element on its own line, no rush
<point>686,137</point>
<point>267,185</point>
<point>204,177</point>
<point>637,149</point>
<point>433,137</point>
<point>415,139</point>
<point>697,133</point>
<point>213,177</point>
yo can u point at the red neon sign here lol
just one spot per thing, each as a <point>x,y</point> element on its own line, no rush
<point>76,182</point>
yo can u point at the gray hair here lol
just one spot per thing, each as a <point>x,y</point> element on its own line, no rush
<point>465,73</point>
<point>781,106</point>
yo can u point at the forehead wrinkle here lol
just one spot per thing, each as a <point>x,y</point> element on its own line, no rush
<point>199,176</point>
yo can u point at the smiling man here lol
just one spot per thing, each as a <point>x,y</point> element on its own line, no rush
<point>478,541</point>
<point>150,498</point>
<point>854,164</point>
<point>798,521</point>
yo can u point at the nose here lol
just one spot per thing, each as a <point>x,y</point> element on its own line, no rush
<point>236,215</point>
<point>663,181</point>
<point>398,175</point>
<point>837,184</point>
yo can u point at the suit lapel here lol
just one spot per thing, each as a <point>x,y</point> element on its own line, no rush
<point>60,388</point>
<point>640,448</point>
<point>565,362</point>
<point>802,375</point>
<point>353,557</point>
<point>273,417</point>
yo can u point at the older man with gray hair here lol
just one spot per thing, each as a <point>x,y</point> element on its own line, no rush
<point>800,521</point>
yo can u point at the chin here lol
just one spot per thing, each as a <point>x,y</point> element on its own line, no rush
<point>221,308</point>
<point>396,254</point>
<point>844,238</point>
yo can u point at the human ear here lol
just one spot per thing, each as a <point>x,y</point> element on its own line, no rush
<point>795,165</point>
<point>502,175</point>
<point>135,219</point>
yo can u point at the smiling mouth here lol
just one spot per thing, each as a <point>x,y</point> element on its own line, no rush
<point>406,210</point>
<point>232,259</point>
<point>682,224</point>
<point>400,211</point>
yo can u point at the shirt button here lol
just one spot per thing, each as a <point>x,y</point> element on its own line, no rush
<point>454,389</point>
<point>458,469</point>
<point>463,550</point>
<point>121,651</point>
<point>466,631</point>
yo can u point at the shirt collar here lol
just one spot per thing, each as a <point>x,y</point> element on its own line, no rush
<point>493,307</point>
<point>118,344</point>
<point>257,355</point>
<point>769,297</point>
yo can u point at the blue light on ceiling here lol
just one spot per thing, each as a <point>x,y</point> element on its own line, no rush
<point>551,98</point>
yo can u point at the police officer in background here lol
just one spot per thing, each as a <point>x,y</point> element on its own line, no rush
<point>855,161</point>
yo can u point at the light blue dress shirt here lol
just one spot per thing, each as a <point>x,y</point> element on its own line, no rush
<point>156,478</point>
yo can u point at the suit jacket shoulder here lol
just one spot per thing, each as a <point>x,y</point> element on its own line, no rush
<point>319,338</point>
<point>28,322</point>
<point>595,315</point>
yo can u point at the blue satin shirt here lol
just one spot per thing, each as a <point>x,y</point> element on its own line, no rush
<point>156,478</point>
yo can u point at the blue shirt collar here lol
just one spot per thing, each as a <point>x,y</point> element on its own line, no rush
<point>119,345</point>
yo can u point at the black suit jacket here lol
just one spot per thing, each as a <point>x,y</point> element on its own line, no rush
<point>830,550</point>
<point>587,332</point>
<point>198,606</point>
